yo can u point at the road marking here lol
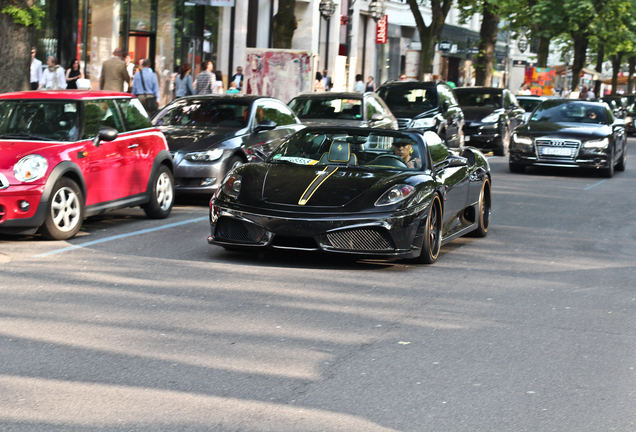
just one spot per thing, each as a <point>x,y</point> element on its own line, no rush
<point>595,184</point>
<point>119,236</point>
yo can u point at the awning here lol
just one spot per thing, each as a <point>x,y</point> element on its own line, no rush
<point>619,81</point>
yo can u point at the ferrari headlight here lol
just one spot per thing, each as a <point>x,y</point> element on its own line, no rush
<point>597,144</point>
<point>491,118</point>
<point>522,140</point>
<point>396,194</point>
<point>232,185</point>
<point>423,123</point>
<point>30,168</point>
<point>204,156</point>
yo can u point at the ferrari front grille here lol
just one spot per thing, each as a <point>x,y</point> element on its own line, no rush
<point>238,231</point>
<point>361,240</point>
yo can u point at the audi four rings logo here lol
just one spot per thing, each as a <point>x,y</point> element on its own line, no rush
<point>557,142</point>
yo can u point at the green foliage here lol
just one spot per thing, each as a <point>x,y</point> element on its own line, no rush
<point>26,17</point>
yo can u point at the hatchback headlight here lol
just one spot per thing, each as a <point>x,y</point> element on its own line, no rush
<point>423,123</point>
<point>491,118</point>
<point>597,144</point>
<point>396,194</point>
<point>30,168</point>
<point>204,156</point>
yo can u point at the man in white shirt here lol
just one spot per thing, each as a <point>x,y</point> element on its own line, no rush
<point>36,70</point>
<point>591,94</point>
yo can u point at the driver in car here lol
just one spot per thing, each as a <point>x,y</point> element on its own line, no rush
<point>404,150</point>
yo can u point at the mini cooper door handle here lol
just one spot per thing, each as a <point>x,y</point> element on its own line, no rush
<point>132,146</point>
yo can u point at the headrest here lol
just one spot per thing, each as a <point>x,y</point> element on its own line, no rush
<point>339,152</point>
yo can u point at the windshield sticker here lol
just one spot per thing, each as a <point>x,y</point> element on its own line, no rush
<point>297,160</point>
<point>70,108</point>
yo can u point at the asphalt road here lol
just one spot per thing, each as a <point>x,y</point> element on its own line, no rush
<point>140,325</point>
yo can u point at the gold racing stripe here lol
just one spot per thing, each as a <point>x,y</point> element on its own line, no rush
<point>313,186</point>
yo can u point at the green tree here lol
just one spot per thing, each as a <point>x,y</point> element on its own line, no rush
<point>429,34</point>
<point>284,24</point>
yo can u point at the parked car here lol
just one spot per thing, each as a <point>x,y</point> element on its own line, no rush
<point>618,104</point>
<point>570,133</point>
<point>427,106</point>
<point>491,116</point>
<point>529,103</point>
<point>343,108</point>
<point>355,191</point>
<point>67,155</point>
<point>210,135</point>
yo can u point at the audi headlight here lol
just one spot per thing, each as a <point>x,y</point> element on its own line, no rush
<point>30,168</point>
<point>396,194</point>
<point>232,185</point>
<point>423,123</point>
<point>522,140</point>
<point>204,156</point>
<point>491,118</point>
<point>597,144</point>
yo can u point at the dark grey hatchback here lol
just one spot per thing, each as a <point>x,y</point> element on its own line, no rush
<point>210,135</point>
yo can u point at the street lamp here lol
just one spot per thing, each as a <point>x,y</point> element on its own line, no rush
<point>376,9</point>
<point>327,8</point>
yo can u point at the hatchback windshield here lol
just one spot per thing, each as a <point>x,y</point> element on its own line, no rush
<point>204,112</point>
<point>49,120</point>
<point>371,150</point>
<point>569,112</point>
<point>409,101</point>
<point>468,98</point>
<point>327,108</point>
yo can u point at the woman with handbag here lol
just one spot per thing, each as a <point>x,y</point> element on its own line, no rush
<point>183,82</point>
<point>146,88</point>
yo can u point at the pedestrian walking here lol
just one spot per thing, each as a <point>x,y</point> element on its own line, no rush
<point>36,70</point>
<point>326,80</point>
<point>583,94</point>
<point>370,87</point>
<point>359,85</point>
<point>130,68</point>
<point>146,88</point>
<point>53,76</point>
<point>318,85</point>
<point>566,93</point>
<point>238,78</point>
<point>219,81</point>
<point>232,89</point>
<point>183,82</point>
<point>206,80</point>
<point>590,94</point>
<point>114,73</point>
<point>73,73</point>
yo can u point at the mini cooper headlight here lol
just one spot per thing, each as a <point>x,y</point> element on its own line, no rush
<point>204,156</point>
<point>423,123</point>
<point>232,185</point>
<point>597,144</point>
<point>522,140</point>
<point>491,118</point>
<point>396,194</point>
<point>30,168</point>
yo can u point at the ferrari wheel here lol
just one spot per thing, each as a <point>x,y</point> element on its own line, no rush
<point>162,195</point>
<point>484,210</point>
<point>65,213</point>
<point>432,239</point>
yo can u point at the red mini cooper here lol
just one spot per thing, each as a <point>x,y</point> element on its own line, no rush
<point>66,155</point>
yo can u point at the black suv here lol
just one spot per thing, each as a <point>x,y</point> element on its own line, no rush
<point>427,106</point>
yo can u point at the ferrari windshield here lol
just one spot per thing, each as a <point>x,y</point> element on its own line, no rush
<point>39,120</point>
<point>204,112</point>
<point>369,149</point>
<point>327,107</point>
<point>570,112</point>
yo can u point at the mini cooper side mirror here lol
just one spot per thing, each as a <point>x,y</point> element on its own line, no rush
<point>105,134</point>
<point>265,125</point>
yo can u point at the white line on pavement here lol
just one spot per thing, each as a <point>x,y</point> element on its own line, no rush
<point>119,236</point>
<point>595,184</point>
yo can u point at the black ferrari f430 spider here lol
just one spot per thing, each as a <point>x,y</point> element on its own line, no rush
<point>358,191</point>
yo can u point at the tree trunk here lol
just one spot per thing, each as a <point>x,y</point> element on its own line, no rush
<point>543,50</point>
<point>429,35</point>
<point>580,50</point>
<point>15,50</point>
<point>630,79</point>
<point>600,57</point>
<point>284,24</point>
<point>487,42</point>
<point>617,60</point>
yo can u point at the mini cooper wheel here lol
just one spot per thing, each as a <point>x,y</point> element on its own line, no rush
<point>162,195</point>
<point>432,239</point>
<point>65,211</point>
<point>484,210</point>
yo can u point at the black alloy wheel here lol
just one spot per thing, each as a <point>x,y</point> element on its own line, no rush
<point>609,171</point>
<point>620,166</point>
<point>505,142</point>
<point>432,239</point>
<point>484,211</point>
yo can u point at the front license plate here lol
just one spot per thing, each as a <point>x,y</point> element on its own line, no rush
<point>556,151</point>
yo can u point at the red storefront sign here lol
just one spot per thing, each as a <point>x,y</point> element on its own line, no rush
<point>382,31</point>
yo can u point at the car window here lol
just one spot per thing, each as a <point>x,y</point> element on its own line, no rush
<point>570,112</point>
<point>34,120</point>
<point>273,111</point>
<point>204,112</point>
<point>327,108</point>
<point>437,149</point>
<point>135,116</point>
<point>478,99</point>
<point>99,114</point>
<point>507,99</point>
<point>529,104</point>
<point>374,106</point>
<point>409,101</point>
